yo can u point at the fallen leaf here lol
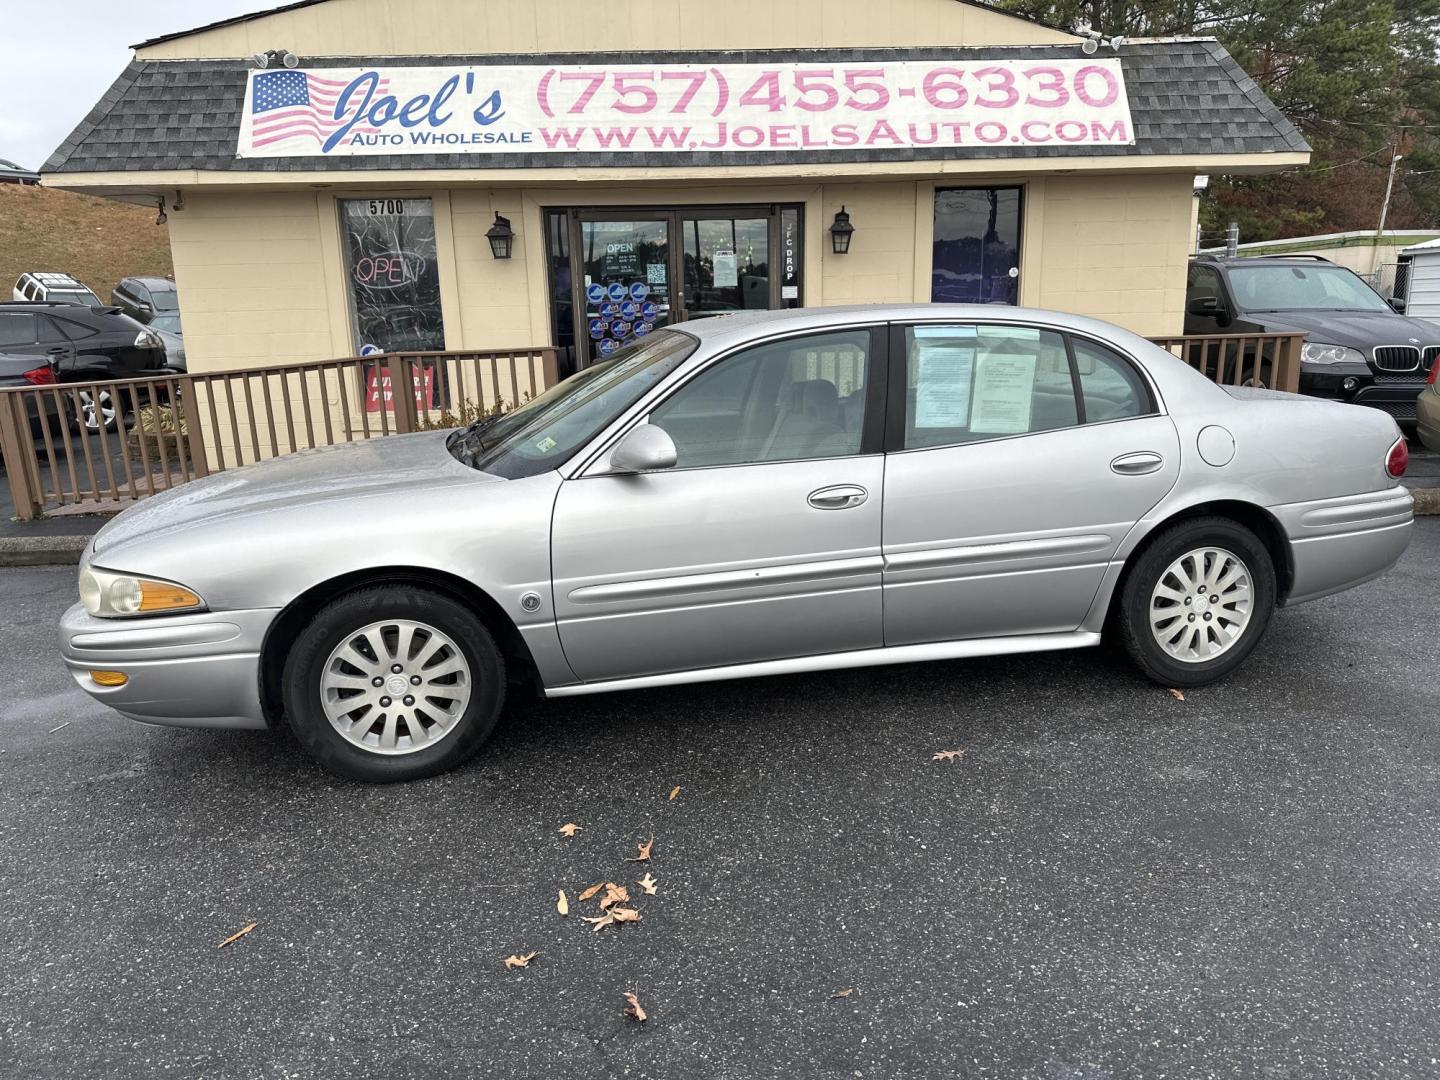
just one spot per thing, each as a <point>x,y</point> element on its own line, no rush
<point>599,922</point>
<point>949,755</point>
<point>569,828</point>
<point>614,894</point>
<point>647,883</point>
<point>1176,694</point>
<point>673,792</point>
<point>843,993</point>
<point>644,855</point>
<point>512,962</point>
<point>624,914</point>
<point>633,1009</point>
<point>591,891</point>
<point>562,905</point>
<point>237,935</point>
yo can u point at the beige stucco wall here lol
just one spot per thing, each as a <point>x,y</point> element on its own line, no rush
<point>262,274</point>
<point>489,27</point>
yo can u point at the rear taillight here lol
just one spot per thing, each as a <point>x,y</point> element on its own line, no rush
<point>41,376</point>
<point>1398,459</point>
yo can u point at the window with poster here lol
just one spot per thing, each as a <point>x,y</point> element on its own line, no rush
<point>394,288</point>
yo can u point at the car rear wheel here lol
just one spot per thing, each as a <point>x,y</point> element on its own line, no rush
<point>94,409</point>
<point>393,683</point>
<point>1197,601</point>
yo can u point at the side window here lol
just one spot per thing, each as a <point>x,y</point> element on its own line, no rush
<point>970,383</point>
<point>49,333</point>
<point>73,330</point>
<point>17,328</point>
<point>1203,281</point>
<point>1111,388</point>
<point>786,401</point>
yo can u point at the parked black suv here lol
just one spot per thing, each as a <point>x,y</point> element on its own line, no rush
<point>86,345</point>
<point>1358,346</point>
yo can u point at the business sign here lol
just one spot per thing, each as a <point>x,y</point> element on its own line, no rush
<point>683,108</point>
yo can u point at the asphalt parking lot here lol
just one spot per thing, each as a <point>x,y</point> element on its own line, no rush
<point>1110,882</point>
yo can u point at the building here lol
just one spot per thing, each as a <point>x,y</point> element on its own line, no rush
<point>11,173</point>
<point>471,174</point>
<point>1422,295</point>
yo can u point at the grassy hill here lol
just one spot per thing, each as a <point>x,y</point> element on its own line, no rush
<point>97,240</point>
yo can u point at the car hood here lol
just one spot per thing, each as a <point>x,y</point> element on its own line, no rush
<point>395,467</point>
<point>1361,330</point>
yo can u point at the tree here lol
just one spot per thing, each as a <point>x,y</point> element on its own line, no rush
<point>1359,78</point>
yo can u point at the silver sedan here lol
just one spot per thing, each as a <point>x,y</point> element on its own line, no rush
<point>747,495</point>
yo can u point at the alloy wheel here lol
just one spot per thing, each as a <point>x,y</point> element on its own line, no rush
<point>1201,605</point>
<point>396,687</point>
<point>96,409</point>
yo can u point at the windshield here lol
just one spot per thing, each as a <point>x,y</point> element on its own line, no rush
<point>1302,288</point>
<point>66,296</point>
<point>544,432</point>
<point>164,301</point>
<point>166,322</point>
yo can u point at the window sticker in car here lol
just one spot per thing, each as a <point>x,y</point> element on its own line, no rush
<point>944,372</point>
<point>1004,390</point>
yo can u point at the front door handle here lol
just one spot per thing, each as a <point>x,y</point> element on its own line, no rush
<point>1137,464</point>
<point>838,497</point>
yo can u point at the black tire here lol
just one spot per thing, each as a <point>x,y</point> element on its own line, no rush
<point>340,621</point>
<point>1141,579</point>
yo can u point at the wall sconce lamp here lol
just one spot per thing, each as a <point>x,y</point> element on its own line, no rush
<point>501,237</point>
<point>840,232</point>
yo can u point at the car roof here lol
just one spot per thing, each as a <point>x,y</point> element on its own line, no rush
<point>151,282</point>
<point>724,330</point>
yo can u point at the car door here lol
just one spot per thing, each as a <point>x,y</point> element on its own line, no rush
<point>763,542</point>
<point>1020,459</point>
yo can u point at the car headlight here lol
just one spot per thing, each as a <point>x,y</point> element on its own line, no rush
<point>110,595</point>
<point>1317,352</point>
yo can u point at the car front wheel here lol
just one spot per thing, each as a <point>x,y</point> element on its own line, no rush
<point>1197,601</point>
<point>393,683</point>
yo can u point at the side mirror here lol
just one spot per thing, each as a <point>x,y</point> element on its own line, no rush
<point>1208,307</point>
<point>646,448</point>
<point>1398,304</point>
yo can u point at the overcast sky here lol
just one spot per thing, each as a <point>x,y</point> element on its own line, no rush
<point>56,59</point>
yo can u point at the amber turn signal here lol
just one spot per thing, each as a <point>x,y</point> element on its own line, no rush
<point>109,678</point>
<point>163,596</point>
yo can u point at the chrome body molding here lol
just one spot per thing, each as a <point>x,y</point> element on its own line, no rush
<point>898,654</point>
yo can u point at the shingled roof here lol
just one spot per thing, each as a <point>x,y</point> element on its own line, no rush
<point>1186,97</point>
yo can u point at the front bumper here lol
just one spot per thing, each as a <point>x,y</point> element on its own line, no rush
<point>1394,394</point>
<point>197,670</point>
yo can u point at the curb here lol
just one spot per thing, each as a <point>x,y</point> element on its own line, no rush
<point>41,550</point>
<point>1427,500</point>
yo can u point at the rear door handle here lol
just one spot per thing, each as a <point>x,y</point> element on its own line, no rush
<point>838,497</point>
<point>1137,464</point>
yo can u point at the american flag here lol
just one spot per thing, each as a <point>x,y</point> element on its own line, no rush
<point>298,105</point>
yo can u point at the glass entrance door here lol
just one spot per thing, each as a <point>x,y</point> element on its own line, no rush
<point>626,275</point>
<point>727,264</point>
<point>976,256</point>
<point>618,274</point>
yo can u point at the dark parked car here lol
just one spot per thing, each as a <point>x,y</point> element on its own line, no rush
<point>146,298</point>
<point>29,371</point>
<point>87,345</point>
<point>1359,347</point>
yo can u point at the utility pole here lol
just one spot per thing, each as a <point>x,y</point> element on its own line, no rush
<point>1389,187</point>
